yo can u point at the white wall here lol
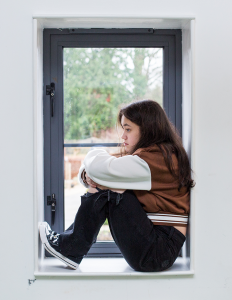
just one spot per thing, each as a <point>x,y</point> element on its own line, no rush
<point>212,149</point>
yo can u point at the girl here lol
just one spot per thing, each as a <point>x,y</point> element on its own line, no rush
<point>143,193</point>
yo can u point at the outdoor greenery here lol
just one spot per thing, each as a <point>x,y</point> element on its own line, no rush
<point>97,81</point>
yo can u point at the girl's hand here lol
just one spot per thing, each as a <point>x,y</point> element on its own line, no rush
<point>90,182</point>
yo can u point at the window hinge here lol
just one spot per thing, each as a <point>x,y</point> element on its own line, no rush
<point>51,200</point>
<point>50,90</point>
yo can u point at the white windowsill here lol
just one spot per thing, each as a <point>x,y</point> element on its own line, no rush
<point>106,267</point>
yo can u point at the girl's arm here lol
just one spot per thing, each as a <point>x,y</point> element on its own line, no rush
<point>127,172</point>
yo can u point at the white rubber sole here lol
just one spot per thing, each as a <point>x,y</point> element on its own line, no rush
<point>43,230</point>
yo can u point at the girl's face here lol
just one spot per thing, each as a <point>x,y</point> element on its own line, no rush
<point>131,134</point>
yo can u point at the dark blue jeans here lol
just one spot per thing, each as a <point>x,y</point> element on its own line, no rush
<point>145,247</point>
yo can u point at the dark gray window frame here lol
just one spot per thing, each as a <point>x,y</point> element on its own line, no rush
<point>54,41</point>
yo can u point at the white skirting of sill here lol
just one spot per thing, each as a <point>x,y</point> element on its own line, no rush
<point>106,267</point>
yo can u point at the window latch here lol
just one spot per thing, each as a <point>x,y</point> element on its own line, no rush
<point>50,90</point>
<point>52,201</point>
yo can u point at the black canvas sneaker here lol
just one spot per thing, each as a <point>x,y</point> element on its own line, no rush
<point>50,240</point>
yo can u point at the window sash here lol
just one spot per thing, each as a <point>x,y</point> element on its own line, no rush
<point>54,42</point>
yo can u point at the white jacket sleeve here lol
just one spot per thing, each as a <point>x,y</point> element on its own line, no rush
<point>127,172</point>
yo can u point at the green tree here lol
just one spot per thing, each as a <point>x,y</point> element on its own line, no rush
<point>96,82</point>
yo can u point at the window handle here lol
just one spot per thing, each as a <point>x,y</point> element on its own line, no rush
<point>50,90</point>
<point>52,201</point>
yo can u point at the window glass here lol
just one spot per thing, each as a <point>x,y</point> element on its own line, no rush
<point>97,82</point>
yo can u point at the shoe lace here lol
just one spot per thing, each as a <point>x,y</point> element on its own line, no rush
<point>53,236</point>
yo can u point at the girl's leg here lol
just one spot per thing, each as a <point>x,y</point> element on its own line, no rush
<point>91,215</point>
<point>71,245</point>
<point>89,193</point>
<point>145,247</point>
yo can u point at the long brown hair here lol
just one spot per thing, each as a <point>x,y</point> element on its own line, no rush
<point>156,129</point>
